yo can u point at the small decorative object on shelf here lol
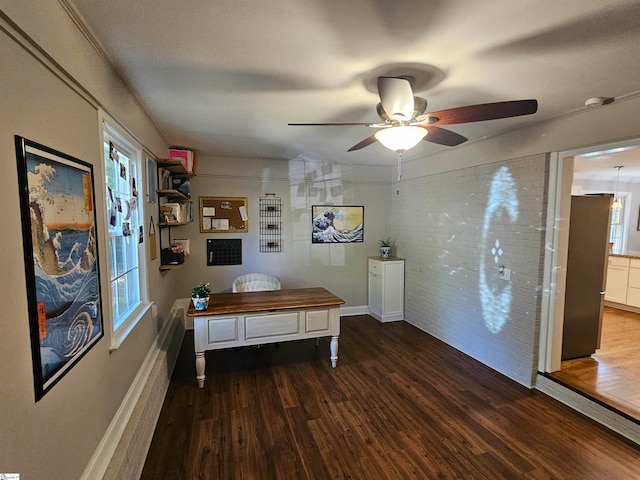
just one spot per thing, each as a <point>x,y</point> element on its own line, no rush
<point>385,247</point>
<point>188,158</point>
<point>200,296</point>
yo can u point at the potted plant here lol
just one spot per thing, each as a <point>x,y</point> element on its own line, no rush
<point>385,247</point>
<point>200,296</point>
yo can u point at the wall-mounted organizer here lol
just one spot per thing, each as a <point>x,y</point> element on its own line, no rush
<point>175,210</point>
<point>270,223</point>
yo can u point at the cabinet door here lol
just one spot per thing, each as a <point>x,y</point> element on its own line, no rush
<point>634,277</point>
<point>375,293</point>
<point>633,292</point>
<point>633,297</point>
<point>393,302</point>
<point>617,278</point>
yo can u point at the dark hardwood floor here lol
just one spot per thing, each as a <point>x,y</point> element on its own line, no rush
<point>611,374</point>
<point>399,405</point>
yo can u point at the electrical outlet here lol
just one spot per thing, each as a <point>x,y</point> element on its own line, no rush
<point>505,274</point>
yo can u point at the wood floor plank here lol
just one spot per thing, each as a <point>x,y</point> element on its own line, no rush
<point>399,405</point>
<point>610,375</point>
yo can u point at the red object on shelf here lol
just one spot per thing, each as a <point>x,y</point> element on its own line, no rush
<point>187,157</point>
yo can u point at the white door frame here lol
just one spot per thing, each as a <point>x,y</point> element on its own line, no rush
<point>556,251</point>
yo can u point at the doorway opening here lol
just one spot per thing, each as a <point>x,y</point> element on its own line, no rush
<point>608,375</point>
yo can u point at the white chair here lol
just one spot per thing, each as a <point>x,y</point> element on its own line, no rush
<point>255,282</point>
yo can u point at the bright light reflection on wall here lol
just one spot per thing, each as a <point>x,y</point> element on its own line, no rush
<point>495,293</point>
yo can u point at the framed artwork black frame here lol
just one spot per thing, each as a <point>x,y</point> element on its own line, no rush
<point>57,203</point>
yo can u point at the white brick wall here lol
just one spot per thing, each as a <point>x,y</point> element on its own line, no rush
<point>437,223</point>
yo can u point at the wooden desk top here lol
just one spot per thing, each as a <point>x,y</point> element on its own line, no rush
<point>243,302</point>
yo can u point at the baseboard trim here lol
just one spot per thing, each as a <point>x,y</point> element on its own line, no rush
<point>154,374</point>
<point>349,311</point>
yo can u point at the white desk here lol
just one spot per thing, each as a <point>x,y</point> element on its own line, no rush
<point>256,318</point>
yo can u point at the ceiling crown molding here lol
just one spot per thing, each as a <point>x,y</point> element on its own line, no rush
<point>103,53</point>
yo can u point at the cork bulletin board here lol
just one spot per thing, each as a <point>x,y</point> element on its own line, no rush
<point>223,214</point>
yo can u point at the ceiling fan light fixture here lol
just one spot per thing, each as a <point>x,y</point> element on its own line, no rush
<point>401,138</point>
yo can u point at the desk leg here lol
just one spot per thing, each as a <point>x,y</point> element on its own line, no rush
<point>334,351</point>
<point>200,364</point>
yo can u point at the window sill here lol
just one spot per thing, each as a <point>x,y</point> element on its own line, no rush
<point>122,332</point>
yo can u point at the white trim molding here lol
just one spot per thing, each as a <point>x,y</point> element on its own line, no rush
<point>355,310</point>
<point>595,411</point>
<point>125,444</point>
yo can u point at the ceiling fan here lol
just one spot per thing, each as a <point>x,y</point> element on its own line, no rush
<point>404,121</point>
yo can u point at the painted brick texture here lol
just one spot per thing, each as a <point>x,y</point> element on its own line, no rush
<point>449,232</point>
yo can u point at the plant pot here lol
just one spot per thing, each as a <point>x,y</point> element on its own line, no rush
<point>200,303</point>
<point>385,252</point>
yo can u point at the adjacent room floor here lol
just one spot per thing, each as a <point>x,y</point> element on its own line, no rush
<point>610,375</point>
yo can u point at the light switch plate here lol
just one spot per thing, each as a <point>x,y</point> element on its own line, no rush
<point>505,274</point>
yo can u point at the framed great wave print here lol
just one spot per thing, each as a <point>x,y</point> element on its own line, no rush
<point>61,259</point>
<point>337,224</point>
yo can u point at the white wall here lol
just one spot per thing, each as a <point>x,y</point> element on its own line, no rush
<point>56,437</point>
<point>441,223</point>
<point>341,268</point>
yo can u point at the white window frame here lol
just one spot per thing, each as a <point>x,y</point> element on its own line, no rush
<point>622,227</point>
<point>125,143</point>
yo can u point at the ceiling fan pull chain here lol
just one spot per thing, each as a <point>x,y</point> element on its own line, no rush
<point>399,171</point>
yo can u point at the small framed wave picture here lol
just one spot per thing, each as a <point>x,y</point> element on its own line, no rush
<point>337,224</point>
<point>61,259</point>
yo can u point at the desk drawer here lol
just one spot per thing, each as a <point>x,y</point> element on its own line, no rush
<point>271,325</point>
<point>317,321</point>
<point>222,330</point>
<point>215,332</point>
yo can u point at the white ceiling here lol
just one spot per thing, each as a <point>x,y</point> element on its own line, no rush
<point>225,77</point>
<point>601,165</point>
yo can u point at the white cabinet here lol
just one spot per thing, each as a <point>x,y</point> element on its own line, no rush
<point>617,279</point>
<point>386,289</point>
<point>633,287</point>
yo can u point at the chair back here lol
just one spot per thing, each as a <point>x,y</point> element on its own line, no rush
<point>255,282</point>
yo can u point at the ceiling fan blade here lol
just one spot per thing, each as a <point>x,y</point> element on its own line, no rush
<point>364,143</point>
<point>481,112</point>
<point>442,136</point>
<point>337,124</point>
<point>396,97</point>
